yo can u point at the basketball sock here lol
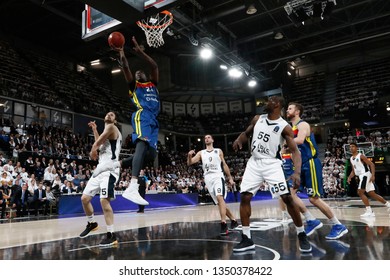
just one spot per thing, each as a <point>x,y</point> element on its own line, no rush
<point>387,204</point>
<point>308,216</point>
<point>368,208</point>
<point>91,219</point>
<point>300,229</point>
<point>247,231</point>
<point>110,228</point>
<point>335,221</point>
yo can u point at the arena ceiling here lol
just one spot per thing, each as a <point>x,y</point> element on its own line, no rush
<point>259,43</point>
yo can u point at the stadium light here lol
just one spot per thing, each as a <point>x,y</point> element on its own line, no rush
<point>223,67</point>
<point>206,53</point>
<point>252,83</point>
<point>235,73</point>
<point>95,62</point>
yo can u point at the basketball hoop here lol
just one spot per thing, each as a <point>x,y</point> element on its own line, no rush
<point>154,27</point>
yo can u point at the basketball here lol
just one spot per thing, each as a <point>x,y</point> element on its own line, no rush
<point>116,40</point>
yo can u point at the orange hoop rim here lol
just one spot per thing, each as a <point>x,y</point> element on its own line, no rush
<point>168,13</point>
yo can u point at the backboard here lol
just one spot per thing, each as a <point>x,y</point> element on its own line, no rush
<point>96,22</point>
<point>365,148</point>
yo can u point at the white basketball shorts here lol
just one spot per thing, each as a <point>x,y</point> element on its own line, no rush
<point>365,183</point>
<point>216,186</point>
<point>103,183</point>
<point>258,171</point>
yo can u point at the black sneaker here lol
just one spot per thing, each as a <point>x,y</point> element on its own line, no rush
<point>109,240</point>
<point>245,244</point>
<point>90,227</point>
<point>233,224</point>
<point>304,245</point>
<point>224,229</point>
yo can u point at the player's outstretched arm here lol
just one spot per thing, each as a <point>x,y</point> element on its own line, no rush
<point>153,65</point>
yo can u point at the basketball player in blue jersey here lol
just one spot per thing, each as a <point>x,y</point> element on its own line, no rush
<point>311,174</point>
<point>213,164</point>
<point>109,145</point>
<point>144,95</point>
<point>288,167</point>
<point>268,133</point>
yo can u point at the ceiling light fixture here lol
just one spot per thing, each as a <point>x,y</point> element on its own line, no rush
<point>95,62</point>
<point>235,73</point>
<point>206,53</point>
<point>252,83</point>
<point>250,7</point>
<point>251,10</point>
<point>278,36</point>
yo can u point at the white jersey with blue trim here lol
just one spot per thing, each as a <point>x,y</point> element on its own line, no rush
<point>211,162</point>
<point>110,149</point>
<point>267,138</point>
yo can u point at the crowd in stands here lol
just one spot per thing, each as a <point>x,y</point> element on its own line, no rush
<point>309,91</point>
<point>49,80</point>
<point>220,123</point>
<point>359,87</point>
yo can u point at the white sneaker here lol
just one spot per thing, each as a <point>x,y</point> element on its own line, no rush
<point>132,194</point>
<point>368,214</point>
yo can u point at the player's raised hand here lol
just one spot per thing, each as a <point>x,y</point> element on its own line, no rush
<point>136,47</point>
<point>92,125</point>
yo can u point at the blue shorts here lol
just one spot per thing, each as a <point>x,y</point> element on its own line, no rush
<point>288,168</point>
<point>145,127</point>
<point>311,177</point>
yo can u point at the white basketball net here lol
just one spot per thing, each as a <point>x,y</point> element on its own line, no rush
<point>154,28</point>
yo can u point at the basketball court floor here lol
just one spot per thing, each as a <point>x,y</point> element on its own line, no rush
<point>192,233</point>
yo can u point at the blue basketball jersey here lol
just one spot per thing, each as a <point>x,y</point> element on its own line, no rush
<point>145,96</point>
<point>309,147</point>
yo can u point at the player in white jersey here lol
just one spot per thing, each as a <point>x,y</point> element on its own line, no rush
<point>268,133</point>
<point>109,145</point>
<point>365,170</point>
<point>212,163</point>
